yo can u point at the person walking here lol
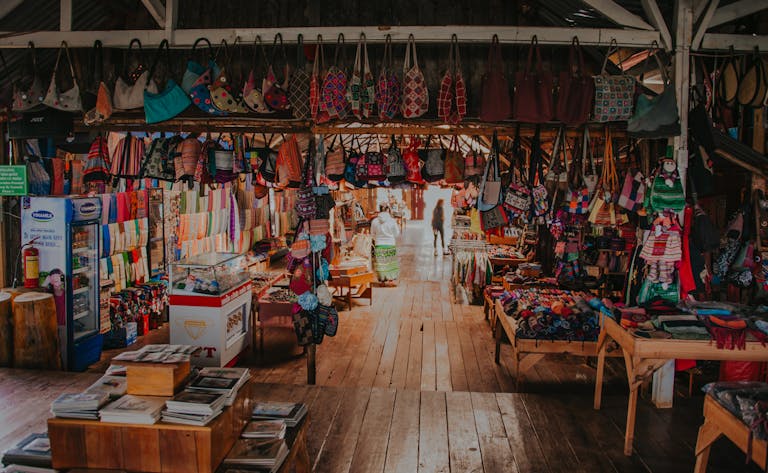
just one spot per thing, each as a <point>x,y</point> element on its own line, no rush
<point>438,220</point>
<point>384,230</point>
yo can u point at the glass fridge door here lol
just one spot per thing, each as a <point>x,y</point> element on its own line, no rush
<point>85,280</point>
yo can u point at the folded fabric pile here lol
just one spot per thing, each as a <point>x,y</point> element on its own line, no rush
<point>505,251</point>
<point>686,327</point>
<point>494,291</point>
<point>747,400</point>
<point>634,317</point>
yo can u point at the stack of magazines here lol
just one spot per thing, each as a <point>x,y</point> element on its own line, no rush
<point>289,412</point>
<point>79,406</point>
<point>226,381</point>
<point>264,429</point>
<point>112,386</point>
<point>193,408</point>
<point>131,409</point>
<point>258,453</point>
<point>33,450</point>
<point>159,354</point>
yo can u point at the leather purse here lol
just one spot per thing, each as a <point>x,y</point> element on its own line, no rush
<point>130,86</point>
<point>168,103</point>
<point>614,94</point>
<point>576,90</point>
<point>495,103</point>
<point>67,101</point>
<point>533,90</point>
<point>454,163</point>
<point>28,90</point>
<point>415,92</point>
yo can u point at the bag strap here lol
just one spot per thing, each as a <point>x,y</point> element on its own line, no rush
<point>301,60</point>
<point>210,50</point>
<point>494,55</point>
<point>407,60</point>
<point>97,62</point>
<point>575,58</point>
<point>537,165</point>
<point>339,52</point>
<point>534,47</point>
<point>279,48</point>
<point>387,62</point>
<point>163,46</point>
<point>319,64</point>
<point>65,48</point>
<point>613,47</point>
<point>358,66</point>
<point>129,51</point>
<point>586,152</point>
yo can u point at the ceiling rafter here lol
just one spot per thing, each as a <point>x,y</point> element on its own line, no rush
<point>651,9</point>
<point>736,10</point>
<point>157,10</point>
<point>618,14</point>
<point>706,20</point>
<point>7,6</point>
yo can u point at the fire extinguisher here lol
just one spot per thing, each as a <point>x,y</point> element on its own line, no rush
<point>30,259</point>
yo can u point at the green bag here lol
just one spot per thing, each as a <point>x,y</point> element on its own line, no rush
<point>655,290</point>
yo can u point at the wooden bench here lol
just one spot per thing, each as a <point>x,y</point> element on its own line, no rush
<point>718,421</point>
<point>357,285</point>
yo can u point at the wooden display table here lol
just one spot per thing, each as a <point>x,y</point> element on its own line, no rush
<point>153,448</point>
<point>360,283</point>
<point>526,352</point>
<point>718,421</point>
<point>642,357</point>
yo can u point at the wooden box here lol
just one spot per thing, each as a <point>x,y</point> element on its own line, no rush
<point>166,448</point>
<point>155,379</point>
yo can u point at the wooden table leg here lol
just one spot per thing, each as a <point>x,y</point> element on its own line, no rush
<point>349,297</point>
<point>708,433</point>
<point>498,344</point>
<point>629,433</point>
<point>602,343</point>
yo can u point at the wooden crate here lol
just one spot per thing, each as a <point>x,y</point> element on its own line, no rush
<point>155,379</point>
<point>166,448</point>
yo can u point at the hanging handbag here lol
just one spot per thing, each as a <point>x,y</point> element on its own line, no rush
<point>252,93</point>
<point>412,162</point>
<point>28,89</point>
<point>268,167</point>
<point>223,95</point>
<point>490,195</point>
<point>415,92</point>
<point>577,198</point>
<point>474,162</point>
<point>452,99</point>
<point>68,101</point>
<point>289,163</point>
<point>169,103</point>
<point>188,153</point>
<point>127,157</point>
<point>361,90</point>
<point>102,106</point>
<point>590,177</point>
<point>656,117</point>
<point>632,195</point>
<point>275,92</point>
<point>159,162</point>
<point>614,94</point>
<point>316,84</point>
<point>195,69</point>
<point>539,194</point>
<point>375,165</point>
<point>517,198</point>
<point>533,90</point>
<point>298,88</point>
<point>354,158</point>
<point>97,164</point>
<point>576,90</point>
<point>434,164</point>
<point>306,207</point>
<point>754,83</point>
<point>493,218</point>
<point>495,104</point>
<point>334,161</point>
<point>602,208</point>
<point>333,99</point>
<point>130,86</point>
<point>454,163</point>
<point>396,171</point>
<point>389,89</point>
<point>302,326</point>
<point>728,85</point>
<point>200,93</point>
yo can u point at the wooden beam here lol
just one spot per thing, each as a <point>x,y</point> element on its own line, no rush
<point>7,6</point>
<point>722,42</point>
<point>157,10</point>
<point>698,9</point>
<point>736,10</point>
<point>185,38</point>
<point>618,14</point>
<point>171,18</point>
<point>682,64</point>
<point>704,24</point>
<point>65,15</point>
<point>657,20</point>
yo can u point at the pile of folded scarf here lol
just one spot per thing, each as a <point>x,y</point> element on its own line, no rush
<point>747,400</point>
<point>553,314</point>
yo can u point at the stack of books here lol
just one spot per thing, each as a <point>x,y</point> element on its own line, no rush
<point>33,450</point>
<point>264,429</point>
<point>227,381</point>
<point>258,453</point>
<point>289,412</point>
<point>79,406</point>
<point>193,408</point>
<point>112,386</point>
<point>131,409</point>
<point>159,354</point>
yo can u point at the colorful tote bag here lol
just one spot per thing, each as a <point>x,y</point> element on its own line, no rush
<point>334,161</point>
<point>298,89</point>
<point>275,91</point>
<point>361,90</point>
<point>454,163</point>
<point>252,93</point>
<point>388,87</point>
<point>452,99</point>
<point>316,84</point>
<point>490,195</point>
<point>415,93</point>
<point>412,162</point>
<point>333,96</point>
<point>614,94</point>
<point>396,171</point>
<point>67,101</point>
<point>576,90</point>
<point>223,95</point>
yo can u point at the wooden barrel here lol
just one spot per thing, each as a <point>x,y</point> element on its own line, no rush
<point>6,330</point>
<point>35,334</point>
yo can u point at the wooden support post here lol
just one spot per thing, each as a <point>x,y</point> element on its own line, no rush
<point>664,386</point>
<point>602,343</point>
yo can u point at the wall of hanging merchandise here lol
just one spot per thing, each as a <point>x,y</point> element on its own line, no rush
<point>284,217</point>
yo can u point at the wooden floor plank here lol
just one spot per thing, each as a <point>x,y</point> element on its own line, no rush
<point>455,357</point>
<point>523,439</point>
<point>433,434</point>
<point>373,357</point>
<point>322,410</point>
<point>475,380</point>
<point>557,450</point>
<point>463,443</point>
<point>387,363</point>
<point>403,443</point>
<point>342,438</point>
<point>495,376</point>
<point>400,369</point>
<point>362,345</point>
<point>442,360</point>
<point>413,377</point>
<point>428,362</point>
<point>371,451</point>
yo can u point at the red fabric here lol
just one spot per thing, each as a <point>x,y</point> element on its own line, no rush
<point>687,283</point>
<point>741,371</point>
<point>682,365</point>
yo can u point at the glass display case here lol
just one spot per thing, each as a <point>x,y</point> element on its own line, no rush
<point>210,274</point>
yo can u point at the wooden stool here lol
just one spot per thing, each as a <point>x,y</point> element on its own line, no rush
<point>35,335</point>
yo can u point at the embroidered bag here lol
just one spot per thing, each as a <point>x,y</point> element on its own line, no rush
<point>454,163</point>
<point>289,163</point>
<point>434,164</point>
<point>495,103</point>
<point>328,317</point>
<point>130,86</point>
<point>275,94</point>
<point>411,161</point>
<point>97,164</point>
<point>577,199</point>
<point>490,195</point>
<point>396,171</point>
<point>28,89</point>
<point>576,90</point>
<point>68,101</point>
<point>375,166</point>
<point>334,161</point>
<point>389,89</point>
<point>187,157</point>
<point>305,198</point>
<point>298,88</point>
<point>195,69</point>
<point>452,99</point>
<point>223,95</point>
<point>494,218</point>
<point>361,90</point>
<point>333,98</point>
<point>201,94</point>
<point>252,94</point>
<point>415,93</point>
<point>533,90</point>
<point>302,325</point>
<point>539,194</point>
<point>517,198</point>
<point>127,157</point>
<point>614,94</point>
<point>316,84</point>
<point>160,160</point>
<point>602,208</point>
<point>633,191</point>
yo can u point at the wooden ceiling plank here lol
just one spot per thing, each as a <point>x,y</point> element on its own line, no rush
<point>157,10</point>
<point>657,20</point>
<point>736,10</point>
<point>740,42</point>
<point>7,6</point>
<point>618,14</point>
<point>705,23</point>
